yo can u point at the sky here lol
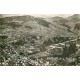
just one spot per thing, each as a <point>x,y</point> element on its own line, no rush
<point>40,15</point>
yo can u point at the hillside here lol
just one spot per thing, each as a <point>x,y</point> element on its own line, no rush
<point>38,24</point>
<point>43,29</point>
<point>28,35</point>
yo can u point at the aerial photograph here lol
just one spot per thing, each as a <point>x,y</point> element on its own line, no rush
<point>39,39</point>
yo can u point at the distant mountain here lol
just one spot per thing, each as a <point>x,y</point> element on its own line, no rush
<point>75,17</point>
<point>75,21</point>
<point>1,16</point>
<point>45,24</point>
<point>15,26</point>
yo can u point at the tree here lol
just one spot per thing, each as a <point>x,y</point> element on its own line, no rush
<point>77,26</point>
<point>72,48</point>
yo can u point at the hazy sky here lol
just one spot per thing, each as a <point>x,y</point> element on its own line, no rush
<point>40,15</point>
<point>53,15</point>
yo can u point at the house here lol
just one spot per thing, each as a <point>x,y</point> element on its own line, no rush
<point>55,50</point>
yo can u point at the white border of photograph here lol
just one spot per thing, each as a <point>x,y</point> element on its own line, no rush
<point>39,7</point>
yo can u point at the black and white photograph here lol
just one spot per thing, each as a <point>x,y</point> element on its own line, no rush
<point>39,39</point>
